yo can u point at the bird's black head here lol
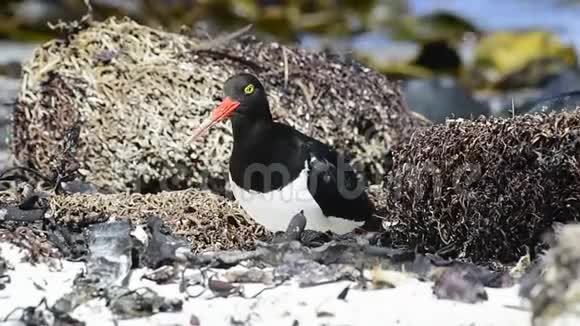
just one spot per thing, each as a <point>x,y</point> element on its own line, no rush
<point>249,92</point>
<point>244,97</point>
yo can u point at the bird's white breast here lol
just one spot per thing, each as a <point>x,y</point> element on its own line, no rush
<point>275,209</point>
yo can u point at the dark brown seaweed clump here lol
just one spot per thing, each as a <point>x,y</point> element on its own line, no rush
<point>209,221</point>
<point>138,92</point>
<point>485,189</point>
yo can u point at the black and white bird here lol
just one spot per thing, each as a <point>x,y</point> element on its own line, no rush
<point>276,171</point>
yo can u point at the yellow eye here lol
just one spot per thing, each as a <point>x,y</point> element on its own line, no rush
<point>249,89</point>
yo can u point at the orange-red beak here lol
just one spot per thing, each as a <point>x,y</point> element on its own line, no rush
<point>220,113</point>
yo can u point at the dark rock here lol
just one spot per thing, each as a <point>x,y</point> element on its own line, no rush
<point>110,246</point>
<point>440,98</point>
<point>439,55</point>
<point>294,231</point>
<point>70,242</point>
<point>33,316</point>
<point>163,248</point>
<point>223,289</point>
<point>314,238</point>
<point>430,267</point>
<point>296,227</point>
<point>396,255</point>
<point>565,82</point>
<point>33,201</point>
<point>459,285</point>
<point>565,102</point>
<point>67,320</point>
<point>194,321</point>
<point>162,275</point>
<point>561,93</point>
<point>138,303</point>
<point>42,315</point>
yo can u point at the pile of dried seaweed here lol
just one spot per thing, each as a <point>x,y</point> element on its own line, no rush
<point>43,211</point>
<point>209,221</point>
<point>486,189</point>
<point>135,272</point>
<point>206,220</point>
<point>137,93</point>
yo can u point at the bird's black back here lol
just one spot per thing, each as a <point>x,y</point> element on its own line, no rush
<point>272,154</point>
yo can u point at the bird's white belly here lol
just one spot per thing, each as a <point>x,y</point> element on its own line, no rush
<point>274,210</point>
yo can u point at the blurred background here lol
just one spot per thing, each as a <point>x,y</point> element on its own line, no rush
<point>454,58</point>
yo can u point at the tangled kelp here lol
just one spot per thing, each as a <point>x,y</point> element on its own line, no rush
<point>485,189</point>
<point>209,221</point>
<point>138,92</point>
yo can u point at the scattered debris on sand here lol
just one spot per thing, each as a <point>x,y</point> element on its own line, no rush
<point>485,190</point>
<point>210,297</point>
<point>137,93</point>
<point>122,278</point>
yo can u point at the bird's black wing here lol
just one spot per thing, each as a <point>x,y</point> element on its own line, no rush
<point>334,184</point>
